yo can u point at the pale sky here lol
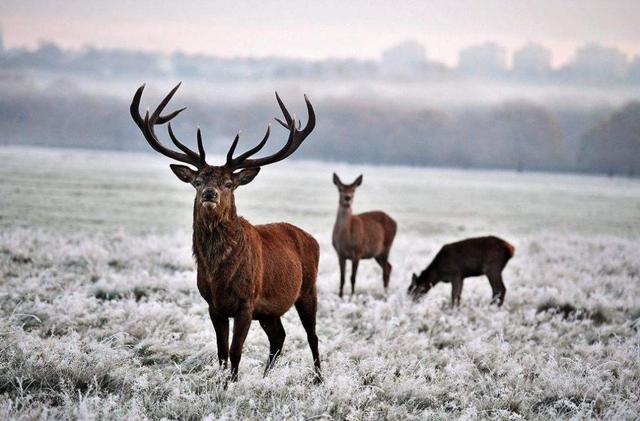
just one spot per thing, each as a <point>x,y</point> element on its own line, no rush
<point>324,28</point>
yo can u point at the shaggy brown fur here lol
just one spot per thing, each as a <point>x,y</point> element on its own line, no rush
<point>253,273</point>
<point>245,272</point>
<point>364,236</point>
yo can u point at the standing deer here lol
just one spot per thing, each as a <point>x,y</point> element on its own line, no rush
<point>245,272</point>
<point>364,236</point>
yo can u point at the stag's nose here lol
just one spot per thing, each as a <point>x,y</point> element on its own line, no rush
<point>209,195</point>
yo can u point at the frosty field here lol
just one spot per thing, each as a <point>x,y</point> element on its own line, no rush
<point>101,318</point>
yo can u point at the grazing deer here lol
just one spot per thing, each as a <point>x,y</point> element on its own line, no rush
<point>471,257</point>
<point>247,272</point>
<point>364,236</point>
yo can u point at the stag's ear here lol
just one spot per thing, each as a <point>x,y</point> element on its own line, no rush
<point>358,181</point>
<point>245,176</point>
<point>184,173</point>
<point>336,180</point>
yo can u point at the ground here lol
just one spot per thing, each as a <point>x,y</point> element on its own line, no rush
<point>101,318</point>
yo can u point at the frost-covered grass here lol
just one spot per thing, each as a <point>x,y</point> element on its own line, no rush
<point>100,316</point>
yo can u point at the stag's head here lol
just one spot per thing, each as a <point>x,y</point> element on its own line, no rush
<point>215,185</point>
<point>346,191</point>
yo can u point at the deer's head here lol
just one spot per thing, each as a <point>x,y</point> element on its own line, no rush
<point>420,284</point>
<point>215,185</point>
<point>346,191</point>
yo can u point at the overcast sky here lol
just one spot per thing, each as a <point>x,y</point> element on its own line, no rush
<point>325,28</point>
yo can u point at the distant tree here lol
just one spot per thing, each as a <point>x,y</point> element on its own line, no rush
<point>633,71</point>
<point>596,63</point>
<point>488,59</point>
<point>533,61</point>
<point>613,146</point>
<point>518,135</point>
<point>406,58</point>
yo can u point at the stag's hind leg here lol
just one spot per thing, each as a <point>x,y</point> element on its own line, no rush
<point>307,307</point>
<point>383,261</point>
<point>272,326</point>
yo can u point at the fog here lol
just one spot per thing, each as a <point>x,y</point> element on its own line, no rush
<point>403,108</point>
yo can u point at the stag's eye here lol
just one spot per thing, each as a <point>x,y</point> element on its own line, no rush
<point>197,183</point>
<point>228,184</point>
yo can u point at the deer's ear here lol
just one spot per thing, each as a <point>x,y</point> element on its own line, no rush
<point>358,181</point>
<point>336,180</point>
<point>184,173</point>
<point>245,176</point>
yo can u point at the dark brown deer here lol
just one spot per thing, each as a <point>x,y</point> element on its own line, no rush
<point>471,257</point>
<point>244,271</point>
<point>364,236</point>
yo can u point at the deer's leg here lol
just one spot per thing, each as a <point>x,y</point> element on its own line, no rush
<point>494,288</point>
<point>386,269</point>
<point>221,326</point>
<point>343,263</point>
<point>354,272</point>
<point>456,291</point>
<point>241,325</point>
<point>276,334</point>
<point>499,290</point>
<point>307,307</point>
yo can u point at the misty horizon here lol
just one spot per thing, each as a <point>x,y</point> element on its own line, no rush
<point>407,49</point>
<point>535,90</point>
<point>330,30</point>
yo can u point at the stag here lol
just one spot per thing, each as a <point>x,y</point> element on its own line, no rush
<point>364,236</point>
<point>245,272</point>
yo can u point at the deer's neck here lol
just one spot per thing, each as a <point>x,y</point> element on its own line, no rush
<point>217,241</point>
<point>343,220</point>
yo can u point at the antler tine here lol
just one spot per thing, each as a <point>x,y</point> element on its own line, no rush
<point>147,123</point>
<point>295,139</point>
<point>282,123</point>
<point>201,148</point>
<point>165,118</point>
<point>181,146</point>
<point>311,123</point>
<point>156,114</point>
<point>285,112</point>
<point>231,150</point>
<point>238,160</point>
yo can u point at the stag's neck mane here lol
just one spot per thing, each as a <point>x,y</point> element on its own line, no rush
<point>217,240</point>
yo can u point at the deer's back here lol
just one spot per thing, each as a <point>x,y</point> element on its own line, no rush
<point>290,263</point>
<point>474,256</point>
<point>374,232</point>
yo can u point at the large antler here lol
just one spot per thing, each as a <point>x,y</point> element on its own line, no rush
<point>296,137</point>
<point>147,123</point>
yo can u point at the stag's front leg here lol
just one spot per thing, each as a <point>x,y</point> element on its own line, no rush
<point>241,325</point>
<point>221,326</point>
